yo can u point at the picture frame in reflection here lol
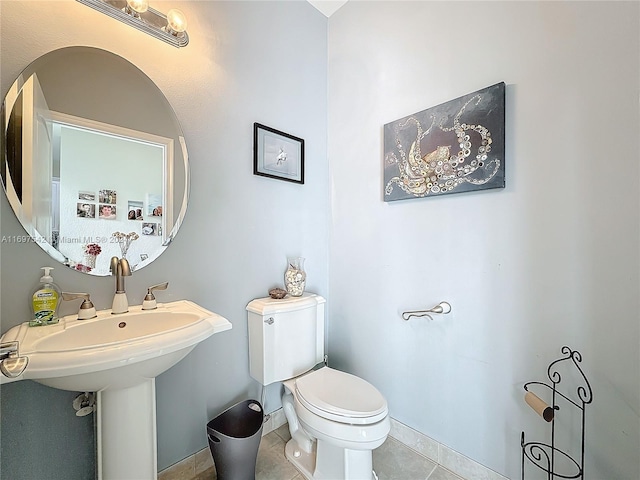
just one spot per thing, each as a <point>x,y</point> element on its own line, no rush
<point>86,210</point>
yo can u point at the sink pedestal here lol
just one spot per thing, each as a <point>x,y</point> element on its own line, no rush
<point>127,447</point>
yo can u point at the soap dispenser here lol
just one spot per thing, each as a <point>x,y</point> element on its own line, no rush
<point>45,301</point>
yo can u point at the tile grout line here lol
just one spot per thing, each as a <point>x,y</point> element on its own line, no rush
<point>435,467</point>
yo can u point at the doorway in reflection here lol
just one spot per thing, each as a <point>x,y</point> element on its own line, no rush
<point>104,183</point>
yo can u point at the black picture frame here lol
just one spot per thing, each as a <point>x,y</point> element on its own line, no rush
<point>277,154</point>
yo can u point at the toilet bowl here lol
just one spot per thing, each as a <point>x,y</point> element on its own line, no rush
<point>336,419</point>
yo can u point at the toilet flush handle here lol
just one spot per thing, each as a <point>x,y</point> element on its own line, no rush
<point>269,321</point>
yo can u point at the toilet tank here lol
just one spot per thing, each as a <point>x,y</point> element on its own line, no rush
<point>286,337</point>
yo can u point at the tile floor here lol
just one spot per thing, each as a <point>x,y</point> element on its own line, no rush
<point>392,461</point>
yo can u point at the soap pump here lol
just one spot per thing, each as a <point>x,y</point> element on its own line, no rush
<point>45,301</point>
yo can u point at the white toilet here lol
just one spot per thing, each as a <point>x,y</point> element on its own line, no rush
<point>336,419</point>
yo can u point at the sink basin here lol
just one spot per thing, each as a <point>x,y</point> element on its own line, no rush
<point>113,351</point>
<point>118,356</point>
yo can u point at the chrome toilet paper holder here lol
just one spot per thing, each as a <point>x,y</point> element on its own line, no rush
<point>441,308</point>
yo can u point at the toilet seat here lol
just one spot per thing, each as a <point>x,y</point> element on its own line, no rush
<point>340,397</point>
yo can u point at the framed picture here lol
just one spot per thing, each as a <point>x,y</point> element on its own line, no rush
<point>86,210</point>
<point>277,154</point>
<point>134,209</point>
<point>87,196</point>
<point>154,205</point>
<point>455,147</point>
<point>150,229</point>
<point>107,196</point>
<point>107,211</point>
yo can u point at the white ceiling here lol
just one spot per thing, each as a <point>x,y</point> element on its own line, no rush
<point>328,7</point>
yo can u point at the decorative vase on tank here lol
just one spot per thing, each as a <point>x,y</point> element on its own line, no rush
<point>295,276</point>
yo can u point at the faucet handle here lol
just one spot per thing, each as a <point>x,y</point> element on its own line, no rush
<point>87,310</point>
<point>149,302</point>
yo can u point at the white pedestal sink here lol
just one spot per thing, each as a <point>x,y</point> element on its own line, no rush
<point>118,356</point>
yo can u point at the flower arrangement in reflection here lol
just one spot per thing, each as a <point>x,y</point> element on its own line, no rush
<point>91,252</point>
<point>124,240</point>
<point>92,249</point>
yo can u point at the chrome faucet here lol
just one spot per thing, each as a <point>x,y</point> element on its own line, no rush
<point>120,268</point>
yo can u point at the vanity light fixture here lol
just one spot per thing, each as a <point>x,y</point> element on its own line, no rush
<point>171,28</point>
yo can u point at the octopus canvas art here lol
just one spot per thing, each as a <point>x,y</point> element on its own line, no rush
<point>455,147</point>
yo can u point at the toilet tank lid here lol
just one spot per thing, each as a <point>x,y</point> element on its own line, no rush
<point>271,306</point>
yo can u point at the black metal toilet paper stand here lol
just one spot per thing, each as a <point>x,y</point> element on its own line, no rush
<point>548,457</point>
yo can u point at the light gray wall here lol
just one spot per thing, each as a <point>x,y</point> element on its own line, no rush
<point>551,260</point>
<point>246,62</point>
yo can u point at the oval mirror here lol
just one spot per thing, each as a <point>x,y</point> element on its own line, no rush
<point>94,162</point>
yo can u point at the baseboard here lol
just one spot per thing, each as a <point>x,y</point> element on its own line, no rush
<point>441,454</point>
<point>418,442</point>
<point>274,421</point>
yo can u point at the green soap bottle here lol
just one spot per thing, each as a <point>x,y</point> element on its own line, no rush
<point>45,301</point>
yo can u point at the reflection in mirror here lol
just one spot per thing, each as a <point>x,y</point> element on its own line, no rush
<point>92,148</point>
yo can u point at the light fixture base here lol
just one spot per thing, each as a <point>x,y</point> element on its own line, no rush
<point>152,21</point>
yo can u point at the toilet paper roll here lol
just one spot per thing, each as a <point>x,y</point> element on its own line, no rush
<point>540,407</point>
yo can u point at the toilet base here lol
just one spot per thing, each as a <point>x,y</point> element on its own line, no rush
<point>303,461</point>
<point>335,463</point>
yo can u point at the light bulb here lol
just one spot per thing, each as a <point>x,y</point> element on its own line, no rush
<point>138,6</point>
<point>176,21</point>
